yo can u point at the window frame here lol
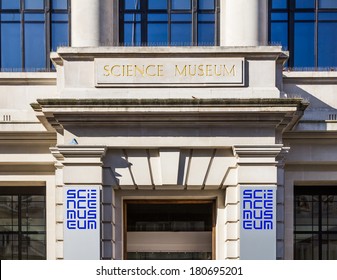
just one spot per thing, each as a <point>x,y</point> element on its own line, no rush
<point>21,192</point>
<point>47,11</point>
<point>314,191</point>
<point>143,11</point>
<point>290,11</point>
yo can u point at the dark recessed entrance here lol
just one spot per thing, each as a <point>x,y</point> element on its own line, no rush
<point>166,230</point>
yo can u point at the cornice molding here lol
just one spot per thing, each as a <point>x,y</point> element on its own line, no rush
<point>257,150</point>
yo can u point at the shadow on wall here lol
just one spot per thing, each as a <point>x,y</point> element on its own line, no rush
<point>319,110</point>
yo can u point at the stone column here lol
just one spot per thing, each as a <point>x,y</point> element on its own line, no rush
<point>85,23</point>
<point>79,180</point>
<point>243,23</point>
<point>256,192</point>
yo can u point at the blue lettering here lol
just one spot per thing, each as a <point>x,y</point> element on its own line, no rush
<point>71,224</point>
<point>71,193</point>
<point>257,195</point>
<point>247,194</point>
<point>71,214</point>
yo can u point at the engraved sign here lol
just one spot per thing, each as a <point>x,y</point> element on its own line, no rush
<point>169,71</point>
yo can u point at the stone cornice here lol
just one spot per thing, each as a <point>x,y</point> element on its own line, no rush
<point>74,151</point>
<point>28,78</point>
<point>257,150</point>
<point>177,112</point>
<point>27,137</point>
<point>89,53</point>
<point>307,77</point>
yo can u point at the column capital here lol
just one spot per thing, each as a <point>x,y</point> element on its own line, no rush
<point>241,151</point>
<point>61,152</point>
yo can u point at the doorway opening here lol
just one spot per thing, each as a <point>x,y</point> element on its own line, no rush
<point>169,230</point>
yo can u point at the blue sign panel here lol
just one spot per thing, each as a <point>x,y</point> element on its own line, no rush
<point>257,209</point>
<point>81,223</point>
<point>258,223</point>
<point>81,209</point>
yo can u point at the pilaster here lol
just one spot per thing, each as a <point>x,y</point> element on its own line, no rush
<point>77,167</point>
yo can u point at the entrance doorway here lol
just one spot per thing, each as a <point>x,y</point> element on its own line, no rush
<point>169,230</point>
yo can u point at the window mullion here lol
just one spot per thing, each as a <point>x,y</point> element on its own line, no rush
<point>48,27</point>
<point>316,35</point>
<point>194,22</point>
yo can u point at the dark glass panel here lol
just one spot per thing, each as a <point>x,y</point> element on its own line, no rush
<point>305,4</point>
<point>157,34</point>
<point>206,17</point>
<point>279,16</point>
<point>157,4</point>
<point>181,34</point>
<point>59,31</point>
<point>169,256</point>
<point>181,17</point>
<point>332,244</point>
<point>304,246</point>
<point>305,16</point>
<point>181,4</point>
<point>132,34</point>
<point>327,16</point>
<point>32,213</point>
<point>34,4</point>
<point>304,45</point>
<point>132,4</point>
<point>35,43</point>
<point>205,34</point>
<point>132,17</point>
<point>327,44</point>
<point>279,4</point>
<point>59,4</point>
<point>33,247</point>
<point>10,4</point>
<point>169,217</point>
<point>279,34</point>
<point>206,4</point>
<point>327,4</point>
<point>11,55</point>
<point>157,17</point>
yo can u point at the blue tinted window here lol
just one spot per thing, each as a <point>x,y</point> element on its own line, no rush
<point>327,16</point>
<point>35,42</point>
<point>205,34</point>
<point>59,4</point>
<point>158,4</point>
<point>302,4</point>
<point>26,25</point>
<point>279,4</point>
<point>181,34</point>
<point>313,32</point>
<point>304,44</point>
<point>327,4</point>
<point>168,22</point>
<point>181,4</point>
<point>34,4</point>
<point>59,31</point>
<point>157,34</point>
<point>132,34</point>
<point>132,4</point>
<point>327,46</point>
<point>11,58</point>
<point>10,4</point>
<point>279,16</point>
<point>279,35</point>
<point>206,4</point>
<point>305,16</point>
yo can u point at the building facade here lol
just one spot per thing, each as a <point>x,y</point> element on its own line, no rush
<point>171,129</point>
